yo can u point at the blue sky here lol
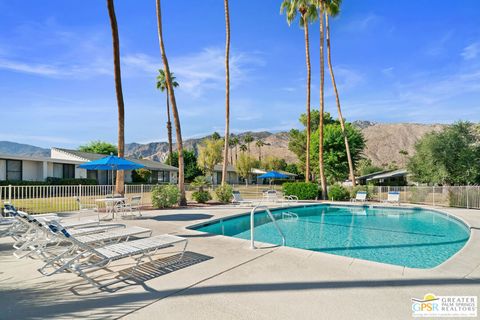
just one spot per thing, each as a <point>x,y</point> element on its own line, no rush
<point>395,61</point>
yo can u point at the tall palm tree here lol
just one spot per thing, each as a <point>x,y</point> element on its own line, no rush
<point>162,86</point>
<point>243,148</point>
<point>120,181</point>
<point>260,143</point>
<point>332,8</point>
<point>176,117</point>
<point>248,139</point>
<point>320,4</point>
<point>308,14</point>
<point>231,145</point>
<point>227,92</point>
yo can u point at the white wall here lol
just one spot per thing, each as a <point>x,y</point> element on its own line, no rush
<point>32,170</point>
<point>3,170</point>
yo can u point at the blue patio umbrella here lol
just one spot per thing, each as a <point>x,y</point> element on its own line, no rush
<point>273,175</point>
<point>112,163</point>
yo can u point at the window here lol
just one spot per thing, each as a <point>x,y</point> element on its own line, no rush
<point>163,176</point>
<point>14,170</point>
<point>92,174</point>
<point>154,177</point>
<point>68,171</point>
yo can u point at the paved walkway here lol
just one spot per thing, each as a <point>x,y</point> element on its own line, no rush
<point>222,278</point>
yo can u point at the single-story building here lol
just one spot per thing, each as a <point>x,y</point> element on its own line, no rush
<point>232,175</point>
<point>63,164</point>
<point>385,178</point>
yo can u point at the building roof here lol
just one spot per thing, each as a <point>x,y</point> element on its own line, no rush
<point>389,174</point>
<point>219,167</point>
<point>4,156</point>
<point>87,156</point>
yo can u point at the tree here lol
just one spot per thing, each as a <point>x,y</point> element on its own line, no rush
<point>335,156</point>
<point>260,143</point>
<point>336,164</point>
<point>100,147</point>
<point>162,86</point>
<point>404,154</point>
<point>320,5</point>
<point>248,139</point>
<point>227,93</point>
<point>209,155</point>
<point>191,169</point>
<point>120,181</point>
<point>365,166</point>
<point>274,163</point>
<point>235,142</point>
<point>308,14</point>
<point>216,136</point>
<point>176,116</point>
<point>449,157</point>
<point>141,175</point>
<point>243,148</point>
<point>332,8</point>
<point>244,166</point>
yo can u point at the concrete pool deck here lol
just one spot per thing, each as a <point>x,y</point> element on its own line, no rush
<point>222,278</point>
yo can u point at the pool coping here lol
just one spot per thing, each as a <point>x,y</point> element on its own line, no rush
<point>446,267</point>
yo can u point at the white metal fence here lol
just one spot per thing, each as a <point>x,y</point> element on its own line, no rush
<point>42,199</point>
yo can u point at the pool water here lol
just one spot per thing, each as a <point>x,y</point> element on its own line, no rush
<point>415,238</point>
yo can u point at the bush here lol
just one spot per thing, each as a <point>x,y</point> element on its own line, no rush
<point>224,193</point>
<point>141,175</point>
<point>338,193</point>
<point>165,196</point>
<point>201,196</point>
<point>303,190</point>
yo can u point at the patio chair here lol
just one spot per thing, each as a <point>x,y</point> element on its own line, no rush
<point>237,199</point>
<point>360,196</point>
<point>393,197</point>
<point>270,196</point>
<point>89,259</point>
<point>135,205</point>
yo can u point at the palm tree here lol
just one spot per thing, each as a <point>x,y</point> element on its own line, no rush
<point>259,145</point>
<point>176,117</point>
<point>162,86</point>
<point>308,14</point>
<point>243,148</point>
<point>120,181</point>
<point>227,92</point>
<point>248,139</point>
<point>231,145</point>
<point>235,143</point>
<point>321,163</point>
<point>332,8</point>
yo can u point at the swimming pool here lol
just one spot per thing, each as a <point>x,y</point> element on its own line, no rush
<point>415,238</point>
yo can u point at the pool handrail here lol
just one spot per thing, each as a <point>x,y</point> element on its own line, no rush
<point>252,225</point>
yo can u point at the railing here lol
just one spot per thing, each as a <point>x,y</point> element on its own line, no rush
<point>252,225</point>
<point>447,196</point>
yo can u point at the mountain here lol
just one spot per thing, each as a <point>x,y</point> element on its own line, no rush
<point>19,149</point>
<point>383,143</point>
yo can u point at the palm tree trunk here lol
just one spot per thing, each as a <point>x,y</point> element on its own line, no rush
<point>236,154</point>
<point>120,181</point>
<point>176,117</point>
<point>169,132</point>
<point>309,80</point>
<point>227,93</point>
<point>340,117</point>
<point>323,179</point>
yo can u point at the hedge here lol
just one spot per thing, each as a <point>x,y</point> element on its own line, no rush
<point>303,190</point>
<point>338,193</point>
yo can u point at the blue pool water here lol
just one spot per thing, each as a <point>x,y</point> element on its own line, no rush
<point>415,238</point>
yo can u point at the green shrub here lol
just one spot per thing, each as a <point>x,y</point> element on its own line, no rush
<point>201,196</point>
<point>224,193</point>
<point>338,193</point>
<point>303,190</point>
<point>141,175</point>
<point>165,196</point>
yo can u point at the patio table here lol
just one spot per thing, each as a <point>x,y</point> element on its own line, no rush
<point>115,202</point>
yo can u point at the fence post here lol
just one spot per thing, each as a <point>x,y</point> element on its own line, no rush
<point>433,195</point>
<point>10,193</point>
<point>141,191</point>
<point>466,192</point>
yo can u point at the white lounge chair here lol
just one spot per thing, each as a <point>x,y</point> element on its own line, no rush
<point>135,205</point>
<point>237,199</point>
<point>360,196</point>
<point>89,259</point>
<point>393,197</point>
<point>270,196</point>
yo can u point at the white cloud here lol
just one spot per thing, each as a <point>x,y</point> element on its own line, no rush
<point>471,52</point>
